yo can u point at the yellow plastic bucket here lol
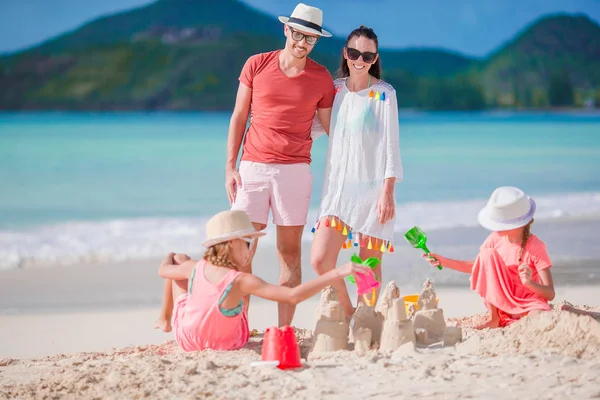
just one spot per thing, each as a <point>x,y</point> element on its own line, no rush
<point>414,299</point>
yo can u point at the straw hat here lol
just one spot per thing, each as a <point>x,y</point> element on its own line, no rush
<point>508,208</point>
<point>307,19</point>
<point>228,225</point>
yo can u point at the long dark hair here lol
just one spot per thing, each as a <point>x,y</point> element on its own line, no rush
<point>375,68</point>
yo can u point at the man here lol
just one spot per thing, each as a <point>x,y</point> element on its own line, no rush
<point>283,89</point>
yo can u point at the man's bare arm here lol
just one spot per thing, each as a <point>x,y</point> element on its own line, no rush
<point>237,125</point>
<point>324,115</point>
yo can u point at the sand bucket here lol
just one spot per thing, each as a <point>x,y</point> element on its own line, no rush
<point>365,284</point>
<point>279,344</point>
<point>414,299</point>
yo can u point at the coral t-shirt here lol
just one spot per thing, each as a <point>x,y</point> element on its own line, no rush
<point>283,108</point>
<point>535,253</point>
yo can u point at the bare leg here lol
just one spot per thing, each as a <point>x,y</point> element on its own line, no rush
<point>248,267</point>
<point>493,321</point>
<point>324,253</point>
<point>164,318</point>
<point>374,252</point>
<point>289,246</point>
<point>166,312</point>
<point>178,288</point>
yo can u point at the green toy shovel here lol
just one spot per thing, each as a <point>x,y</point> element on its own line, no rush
<point>417,239</point>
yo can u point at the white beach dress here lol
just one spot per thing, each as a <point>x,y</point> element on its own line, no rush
<point>363,150</point>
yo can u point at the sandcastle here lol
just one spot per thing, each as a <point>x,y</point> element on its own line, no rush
<point>429,323</point>
<point>390,293</point>
<point>397,328</point>
<point>366,319</point>
<point>386,326</point>
<point>331,328</point>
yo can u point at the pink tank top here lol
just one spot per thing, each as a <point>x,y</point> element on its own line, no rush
<point>199,321</point>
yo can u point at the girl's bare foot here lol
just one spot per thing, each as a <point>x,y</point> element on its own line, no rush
<point>490,323</point>
<point>163,324</point>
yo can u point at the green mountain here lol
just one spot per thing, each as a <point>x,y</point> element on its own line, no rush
<point>556,49</point>
<point>229,16</point>
<point>187,54</point>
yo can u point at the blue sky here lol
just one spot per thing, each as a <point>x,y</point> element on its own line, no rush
<point>473,27</point>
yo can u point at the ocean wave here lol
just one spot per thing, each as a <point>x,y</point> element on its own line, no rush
<point>130,239</point>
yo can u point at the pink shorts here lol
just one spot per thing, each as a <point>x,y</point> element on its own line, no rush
<point>283,188</point>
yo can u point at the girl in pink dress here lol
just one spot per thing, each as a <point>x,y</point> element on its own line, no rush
<point>205,301</point>
<point>512,270</point>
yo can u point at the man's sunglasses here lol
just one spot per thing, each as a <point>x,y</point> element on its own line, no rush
<point>354,54</point>
<point>298,36</point>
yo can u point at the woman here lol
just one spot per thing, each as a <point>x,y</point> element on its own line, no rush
<point>363,163</point>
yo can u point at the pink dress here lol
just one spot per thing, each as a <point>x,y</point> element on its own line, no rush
<point>495,276</point>
<point>200,323</point>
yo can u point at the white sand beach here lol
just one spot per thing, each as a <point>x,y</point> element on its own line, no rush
<point>86,332</point>
<point>117,355</point>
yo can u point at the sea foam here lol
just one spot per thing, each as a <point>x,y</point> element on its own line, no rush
<point>131,239</point>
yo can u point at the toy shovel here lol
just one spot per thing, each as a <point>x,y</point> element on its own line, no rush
<point>417,239</point>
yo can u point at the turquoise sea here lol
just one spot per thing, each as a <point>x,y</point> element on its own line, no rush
<point>127,185</point>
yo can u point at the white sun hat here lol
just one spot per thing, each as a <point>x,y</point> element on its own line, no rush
<point>307,19</point>
<point>228,225</point>
<point>507,208</point>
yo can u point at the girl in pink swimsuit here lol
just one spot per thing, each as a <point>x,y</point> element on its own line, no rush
<point>512,271</point>
<point>205,301</point>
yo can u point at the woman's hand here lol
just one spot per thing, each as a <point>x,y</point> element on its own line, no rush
<point>435,260</point>
<point>351,268</point>
<point>386,207</point>
<point>525,273</point>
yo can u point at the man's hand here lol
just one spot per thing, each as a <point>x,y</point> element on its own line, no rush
<point>233,181</point>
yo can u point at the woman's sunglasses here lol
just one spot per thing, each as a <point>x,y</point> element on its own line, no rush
<point>298,36</point>
<point>354,54</point>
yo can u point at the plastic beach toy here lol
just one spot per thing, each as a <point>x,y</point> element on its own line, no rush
<point>366,283</point>
<point>417,239</point>
<point>280,348</point>
<point>414,300</point>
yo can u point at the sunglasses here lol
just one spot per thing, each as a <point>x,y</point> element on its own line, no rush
<point>367,56</point>
<point>249,241</point>
<point>298,36</point>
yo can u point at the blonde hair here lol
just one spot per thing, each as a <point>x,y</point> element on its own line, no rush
<point>220,255</point>
<point>526,234</point>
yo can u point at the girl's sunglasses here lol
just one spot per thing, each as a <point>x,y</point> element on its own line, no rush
<point>249,241</point>
<point>298,36</point>
<point>354,54</point>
